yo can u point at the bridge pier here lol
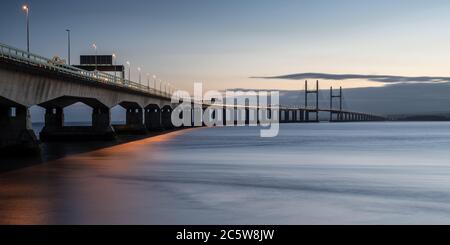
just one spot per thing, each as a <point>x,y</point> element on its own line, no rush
<point>166,117</point>
<point>54,119</point>
<point>283,116</point>
<point>225,117</point>
<point>153,118</point>
<point>134,119</point>
<point>16,133</point>
<point>247,116</point>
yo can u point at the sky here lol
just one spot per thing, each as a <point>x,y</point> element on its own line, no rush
<point>224,43</point>
<point>391,56</point>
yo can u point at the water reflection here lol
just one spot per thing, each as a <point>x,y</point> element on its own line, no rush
<point>35,194</point>
<point>356,173</point>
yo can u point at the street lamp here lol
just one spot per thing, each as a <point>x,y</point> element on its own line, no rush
<point>68,46</point>
<point>154,82</point>
<point>148,81</point>
<point>114,56</point>
<point>94,46</point>
<point>139,70</point>
<point>129,70</point>
<point>26,9</point>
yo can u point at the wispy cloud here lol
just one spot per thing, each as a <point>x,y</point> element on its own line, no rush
<point>374,78</point>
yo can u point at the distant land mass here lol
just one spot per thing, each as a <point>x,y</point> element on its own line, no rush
<point>402,95</point>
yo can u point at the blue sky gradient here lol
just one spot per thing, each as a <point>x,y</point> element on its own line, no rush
<point>223,43</point>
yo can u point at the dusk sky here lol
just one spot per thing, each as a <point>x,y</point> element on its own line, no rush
<point>223,43</point>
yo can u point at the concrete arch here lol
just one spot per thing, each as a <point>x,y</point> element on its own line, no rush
<point>166,117</point>
<point>152,116</point>
<point>54,128</point>
<point>65,101</point>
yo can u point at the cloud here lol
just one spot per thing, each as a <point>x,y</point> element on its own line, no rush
<point>374,78</point>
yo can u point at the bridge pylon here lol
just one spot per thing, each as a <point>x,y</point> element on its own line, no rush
<point>316,110</point>
<point>332,112</point>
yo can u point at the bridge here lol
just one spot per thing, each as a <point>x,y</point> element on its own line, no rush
<point>27,79</point>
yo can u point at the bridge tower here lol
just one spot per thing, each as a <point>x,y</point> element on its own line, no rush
<point>316,92</point>
<point>332,96</point>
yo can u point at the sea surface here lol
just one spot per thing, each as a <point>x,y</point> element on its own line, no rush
<point>347,173</point>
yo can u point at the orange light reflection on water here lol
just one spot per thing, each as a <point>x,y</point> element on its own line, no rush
<point>30,195</point>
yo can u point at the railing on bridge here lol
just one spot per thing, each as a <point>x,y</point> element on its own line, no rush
<point>18,55</point>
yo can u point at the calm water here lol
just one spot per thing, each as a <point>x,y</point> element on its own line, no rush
<point>355,173</point>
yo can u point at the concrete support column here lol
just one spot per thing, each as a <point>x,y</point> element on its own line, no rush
<point>153,119</point>
<point>16,133</point>
<point>101,123</point>
<point>302,115</point>
<point>54,121</point>
<point>134,120</point>
<point>101,118</point>
<point>226,116</point>
<point>166,117</point>
<point>247,116</point>
<point>54,118</point>
<point>134,117</point>
<point>282,116</point>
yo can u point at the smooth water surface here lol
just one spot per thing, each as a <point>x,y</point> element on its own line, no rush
<point>349,173</point>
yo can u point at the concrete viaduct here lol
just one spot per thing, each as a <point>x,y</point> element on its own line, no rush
<point>27,80</point>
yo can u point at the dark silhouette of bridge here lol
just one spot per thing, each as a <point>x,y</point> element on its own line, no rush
<point>27,79</point>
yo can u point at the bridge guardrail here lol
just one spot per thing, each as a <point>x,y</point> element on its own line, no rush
<point>18,55</point>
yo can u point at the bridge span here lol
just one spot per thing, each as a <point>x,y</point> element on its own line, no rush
<point>27,79</point>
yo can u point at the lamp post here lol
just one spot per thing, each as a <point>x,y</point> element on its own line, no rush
<point>26,9</point>
<point>139,71</point>
<point>148,81</point>
<point>154,82</point>
<point>129,70</point>
<point>68,46</point>
<point>114,56</point>
<point>94,46</point>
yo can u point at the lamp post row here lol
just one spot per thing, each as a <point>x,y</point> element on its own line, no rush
<point>26,9</point>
